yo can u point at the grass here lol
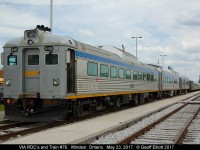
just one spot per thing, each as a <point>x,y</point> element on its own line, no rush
<point>1,107</point>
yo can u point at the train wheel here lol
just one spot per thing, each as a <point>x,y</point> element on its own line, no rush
<point>136,100</point>
<point>117,102</point>
<point>77,109</point>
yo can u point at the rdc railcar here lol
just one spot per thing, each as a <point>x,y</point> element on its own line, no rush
<point>49,77</point>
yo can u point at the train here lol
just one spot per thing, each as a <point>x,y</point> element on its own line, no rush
<point>49,77</point>
<point>1,91</point>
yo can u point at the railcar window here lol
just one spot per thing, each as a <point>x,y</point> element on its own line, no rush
<point>128,74</point>
<point>12,60</point>
<point>144,76</point>
<point>135,75</point>
<point>148,77</point>
<point>184,81</point>
<point>113,72</point>
<point>33,59</point>
<point>104,70</point>
<point>175,81</point>
<point>154,77</point>
<point>92,69</point>
<point>140,77</point>
<point>51,59</point>
<point>121,73</point>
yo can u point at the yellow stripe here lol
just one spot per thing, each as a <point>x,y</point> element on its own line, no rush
<point>31,73</point>
<point>164,90</point>
<point>105,94</point>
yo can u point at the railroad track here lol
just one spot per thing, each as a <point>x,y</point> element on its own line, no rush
<point>2,122</point>
<point>18,129</point>
<point>10,130</point>
<point>170,129</point>
<point>178,124</point>
<point>193,134</point>
<point>13,130</point>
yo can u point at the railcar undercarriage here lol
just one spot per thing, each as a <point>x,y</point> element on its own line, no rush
<point>34,109</point>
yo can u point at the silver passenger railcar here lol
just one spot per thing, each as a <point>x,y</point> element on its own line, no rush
<point>49,77</point>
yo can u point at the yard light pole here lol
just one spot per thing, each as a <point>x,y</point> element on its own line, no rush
<point>163,60</point>
<point>51,14</point>
<point>136,37</point>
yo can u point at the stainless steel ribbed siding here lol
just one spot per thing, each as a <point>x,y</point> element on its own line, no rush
<point>102,85</point>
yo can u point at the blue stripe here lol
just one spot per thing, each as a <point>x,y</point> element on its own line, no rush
<point>112,62</point>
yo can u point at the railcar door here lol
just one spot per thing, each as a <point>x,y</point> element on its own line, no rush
<point>31,70</point>
<point>70,71</point>
<point>53,76</point>
<point>180,83</point>
<point>160,82</point>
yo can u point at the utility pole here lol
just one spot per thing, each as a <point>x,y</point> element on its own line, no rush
<point>163,60</point>
<point>136,37</point>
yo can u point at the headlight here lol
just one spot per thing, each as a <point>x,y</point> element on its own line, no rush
<point>30,42</point>
<point>31,34</point>
<point>56,82</point>
<point>8,82</point>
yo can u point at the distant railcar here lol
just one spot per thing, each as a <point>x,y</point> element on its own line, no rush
<point>194,86</point>
<point>1,90</point>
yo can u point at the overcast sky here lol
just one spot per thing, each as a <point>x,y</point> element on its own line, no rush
<point>167,27</point>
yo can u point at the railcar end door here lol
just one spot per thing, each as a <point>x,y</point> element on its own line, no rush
<point>31,71</point>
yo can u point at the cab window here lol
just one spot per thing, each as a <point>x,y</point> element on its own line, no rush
<point>33,59</point>
<point>51,59</point>
<point>12,60</point>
